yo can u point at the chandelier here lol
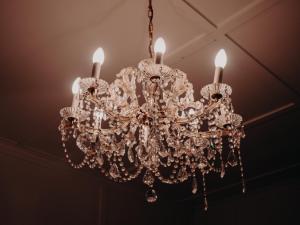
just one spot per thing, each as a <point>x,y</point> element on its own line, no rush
<point>148,122</point>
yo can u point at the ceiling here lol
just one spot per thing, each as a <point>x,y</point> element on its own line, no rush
<point>45,45</point>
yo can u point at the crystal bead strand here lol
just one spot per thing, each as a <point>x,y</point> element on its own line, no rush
<point>204,192</point>
<point>67,156</point>
<point>194,184</point>
<point>242,171</point>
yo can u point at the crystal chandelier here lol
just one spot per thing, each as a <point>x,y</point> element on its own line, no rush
<point>148,122</point>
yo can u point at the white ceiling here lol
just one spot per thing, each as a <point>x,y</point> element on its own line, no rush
<point>46,44</point>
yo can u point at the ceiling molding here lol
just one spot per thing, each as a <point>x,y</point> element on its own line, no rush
<point>223,29</point>
<point>42,159</point>
<point>37,157</point>
<point>269,174</point>
<point>265,67</point>
<point>270,114</point>
<point>220,30</point>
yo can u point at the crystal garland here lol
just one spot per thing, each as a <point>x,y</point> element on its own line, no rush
<point>164,133</point>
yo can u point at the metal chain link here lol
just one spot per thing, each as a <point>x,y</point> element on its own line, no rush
<point>150,28</point>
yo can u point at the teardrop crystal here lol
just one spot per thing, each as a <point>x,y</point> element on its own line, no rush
<point>148,178</point>
<point>142,153</point>
<point>244,190</point>
<point>222,174</point>
<point>130,155</point>
<point>210,154</point>
<point>151,196</point>
<point>100,159</point>
<point>194,185</point>
<point>182,174</point>
<point>231,159</point>
<point>114,171</point>
<point>205,204</point>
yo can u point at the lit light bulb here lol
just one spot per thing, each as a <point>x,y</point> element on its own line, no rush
<point>220,63</point>
<point>221,59</point>
<point>76,86</point>
<point>98,56</point>
<point>159,49</point>
<point>160,46</point>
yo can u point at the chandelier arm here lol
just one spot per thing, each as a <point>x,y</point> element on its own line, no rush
<point>199,115</point>
<point>119,117</point>
<point>113,115</point>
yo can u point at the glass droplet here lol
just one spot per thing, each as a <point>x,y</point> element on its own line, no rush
<point>210,154</point>
<point>182,174</point>
<point>114,171</point>
<point>222,174</point>
<point>231,159</point>
<point>148,178</point>
<point>194,185</point>
<point>243,185</point>
<point>205,204</point>
<point>142,153</point>
<point>151,196</point>
<point>100,159</point>
<point>130,155</point>
<point>212,144</point>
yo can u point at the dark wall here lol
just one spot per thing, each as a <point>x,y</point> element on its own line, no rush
<point>35,191</point>
<point>40,189</point>
<point>275,203</point>
<point>34,194</point>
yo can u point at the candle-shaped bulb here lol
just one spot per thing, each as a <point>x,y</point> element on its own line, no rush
<point>160,46</point>
<point>76,86</point>
<point>220,63</point>
<point>98,59</point>
<point>221,59</point>
<point>159,49</point>
<point>98,56</point>
<point>75,91</point>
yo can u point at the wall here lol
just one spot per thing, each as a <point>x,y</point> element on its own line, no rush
<point>32,191</point>
<point>276,202</point>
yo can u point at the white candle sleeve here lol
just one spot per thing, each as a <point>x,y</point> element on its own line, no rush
<point>218,77</point>
<point>96,70</point>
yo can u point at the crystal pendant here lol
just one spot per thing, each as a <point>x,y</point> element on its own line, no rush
<point>194,185</point>
<point>182,174</point>
<point>212,145</point>
<point>130,155</point>
<point>100,159</point>
<point>121,150</point>
<point>205,204</point>
<point>114,171</point>
<point>142,153</point>
<point>231,159</point>
<point>210,154</point>
<point>244,190</point>
<point>202,164</point>
<point>148,178</point>
<point>222,174</point>
<point>151,196</point>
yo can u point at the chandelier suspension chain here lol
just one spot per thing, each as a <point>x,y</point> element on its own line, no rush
<point>150,28</point>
